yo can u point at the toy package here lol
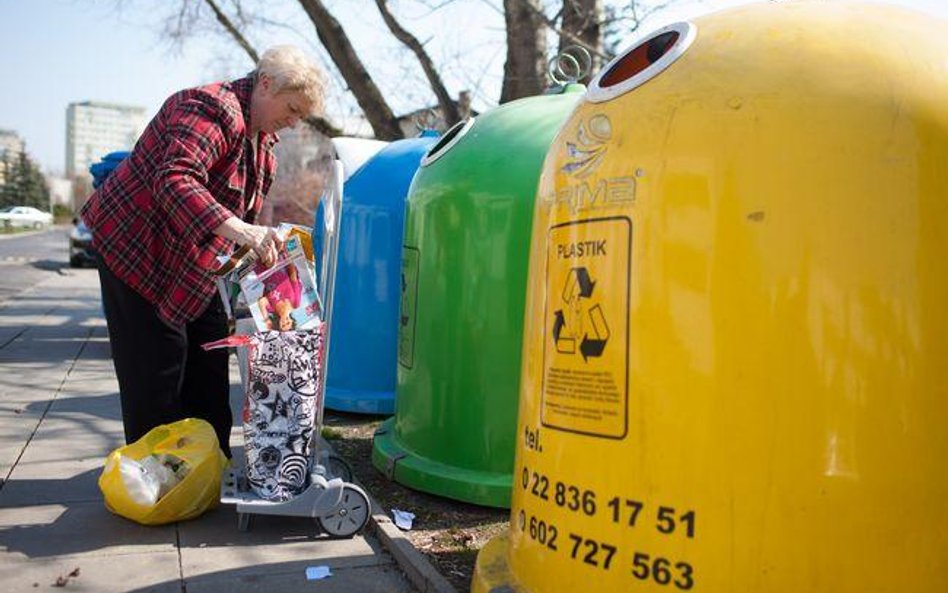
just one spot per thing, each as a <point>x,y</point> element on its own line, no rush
<point>282,297</point>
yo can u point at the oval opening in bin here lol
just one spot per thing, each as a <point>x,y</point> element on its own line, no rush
<point>642,63</point>
<point>449,139</point>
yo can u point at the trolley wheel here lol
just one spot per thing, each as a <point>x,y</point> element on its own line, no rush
<point>244,521</point>
<point>337,467</point>
<point>350,516</point>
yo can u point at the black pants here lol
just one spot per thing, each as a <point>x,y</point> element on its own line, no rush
<point>163,373</point>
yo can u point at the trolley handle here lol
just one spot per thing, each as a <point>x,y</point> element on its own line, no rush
<point>330,202</point>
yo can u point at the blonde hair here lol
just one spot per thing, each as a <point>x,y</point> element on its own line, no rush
<point>291,70</point>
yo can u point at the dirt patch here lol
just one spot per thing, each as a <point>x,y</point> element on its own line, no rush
<point>448,532</point>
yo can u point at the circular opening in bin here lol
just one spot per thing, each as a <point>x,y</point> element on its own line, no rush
<point>642,62</point>
<point>449,139</point>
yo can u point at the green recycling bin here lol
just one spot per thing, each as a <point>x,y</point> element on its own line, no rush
<point>463,281</point>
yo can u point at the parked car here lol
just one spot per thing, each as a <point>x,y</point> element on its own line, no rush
<point>25,216</point>
<point>80,245</point>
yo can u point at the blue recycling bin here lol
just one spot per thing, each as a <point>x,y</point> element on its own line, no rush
<point>364,334</point>
<point>101,170</point>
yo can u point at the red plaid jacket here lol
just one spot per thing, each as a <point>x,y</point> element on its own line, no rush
<point>153,219</point>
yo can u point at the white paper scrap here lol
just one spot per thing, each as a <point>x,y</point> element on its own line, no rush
<point>403,519</point>
<point>315,573</point>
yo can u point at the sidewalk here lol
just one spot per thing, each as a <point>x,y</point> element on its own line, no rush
<point>59,418</point>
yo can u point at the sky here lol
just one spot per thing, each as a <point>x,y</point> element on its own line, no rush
<point>54,52</point>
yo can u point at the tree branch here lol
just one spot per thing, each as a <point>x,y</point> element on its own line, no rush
<point>233,31</point>
<point>318,123</point>
<point>367,94</point>
<point>323,126</point>
<point>449,108</point>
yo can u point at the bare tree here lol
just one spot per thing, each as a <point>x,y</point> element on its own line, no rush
<point>621,20</point>
<point>449,108</point>
<point>344,56</point>
<point>334,40</point>
<point>599,26</point>
<point>233,31</point>
<point>525,68</point>
<point>318,123</point>
<point>582,25</point>
<point>530,33</point>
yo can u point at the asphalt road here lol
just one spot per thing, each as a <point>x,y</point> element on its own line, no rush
<point>31,257</point>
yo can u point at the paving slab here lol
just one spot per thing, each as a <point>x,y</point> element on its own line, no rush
<point>58,428</point>
<point>31,381</point>
<point>291,577</point>
<point>215,543</point>
<point>155,572</point>
<point>53,482</point>
<point>77,529</point>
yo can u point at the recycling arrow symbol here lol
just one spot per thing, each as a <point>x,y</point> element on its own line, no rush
<point>578,285</point>
<point>593,346</point>
<point>558,325</point>
<point>564,344</point>
<point>576,293</point>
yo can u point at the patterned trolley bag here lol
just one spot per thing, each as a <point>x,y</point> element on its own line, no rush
<point>281,407</point>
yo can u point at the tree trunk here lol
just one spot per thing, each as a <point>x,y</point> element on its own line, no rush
<point>367,94</point>
<point>525,69</point>
<point>582,21</point>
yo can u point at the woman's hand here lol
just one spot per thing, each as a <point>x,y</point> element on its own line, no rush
<point>264,240</point>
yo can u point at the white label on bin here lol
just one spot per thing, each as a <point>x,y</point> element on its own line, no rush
<point>407,306</point>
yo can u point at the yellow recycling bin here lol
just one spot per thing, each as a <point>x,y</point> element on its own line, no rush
<point>735,365</point>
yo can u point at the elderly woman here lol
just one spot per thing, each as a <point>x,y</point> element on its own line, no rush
<point>189,191</point>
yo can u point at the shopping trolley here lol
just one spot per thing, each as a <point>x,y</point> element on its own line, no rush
<point>339,507</point>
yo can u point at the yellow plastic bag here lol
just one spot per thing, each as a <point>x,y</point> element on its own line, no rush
<point>194,473</point>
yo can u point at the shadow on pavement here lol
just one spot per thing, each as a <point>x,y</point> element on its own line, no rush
<point>80,526</point>
<point>75,408</point>
<point>52,343</point>
<point>49,529</point>
<point>291,576</point>
<point>50,265</point>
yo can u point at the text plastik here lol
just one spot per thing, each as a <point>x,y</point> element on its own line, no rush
<point>581,249</point>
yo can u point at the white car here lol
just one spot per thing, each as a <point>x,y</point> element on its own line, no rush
<point>24,216</point>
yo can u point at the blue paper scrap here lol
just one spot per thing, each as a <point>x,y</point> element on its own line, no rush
<point>315,573</point>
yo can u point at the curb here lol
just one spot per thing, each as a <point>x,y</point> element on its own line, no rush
<point>416,567</point>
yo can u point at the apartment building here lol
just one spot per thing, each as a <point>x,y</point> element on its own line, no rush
<point>94,129</point>
<point>11,147</point>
